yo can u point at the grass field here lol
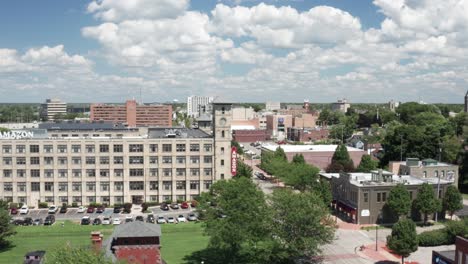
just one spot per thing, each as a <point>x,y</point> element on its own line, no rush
<point>176,241</point>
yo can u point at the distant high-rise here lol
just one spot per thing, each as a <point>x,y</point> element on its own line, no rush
<point>52,108</point>
<point>466,102</point>
<point>196,104</point>
<point>341,106</point>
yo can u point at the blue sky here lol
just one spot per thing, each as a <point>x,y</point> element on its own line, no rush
<point>106,50</point>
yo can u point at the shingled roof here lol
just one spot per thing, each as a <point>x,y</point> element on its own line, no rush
<point>137,229</point>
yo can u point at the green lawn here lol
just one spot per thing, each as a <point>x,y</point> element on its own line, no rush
<point>176,241</point>
<point>465,196</point>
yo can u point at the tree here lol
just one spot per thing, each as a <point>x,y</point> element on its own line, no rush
<point>341,160</point>
<point>367,164</point>
<point>399,200</point>
<point>66,254</point>
<point>404,239</point>
<point>453,200</point>
<point>426,202</point>
<point>300,176</point>
<point>3,204</point>
<point>298,159</point>
<point>236,144</point>
<point>301,224</point>
<point>323,189</point>
<point>243,170</point>
<point>279,154</point>
<point>6,229</point>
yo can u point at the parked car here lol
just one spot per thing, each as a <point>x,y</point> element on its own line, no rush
<point>184,205</point>
<point>192,217</point>
<point>140,218</point>
<point>52,209</point>
<point>38,221</point>
<point>107,220</point>
<point>181,219</point>
<point>81,209</point>
<point>171,220</point>
<point>13,211</point>
<point>90,210</point>
<point>164,207</point>
<point>128,218</point>
<point>116,221</point>
<point>161,220</point>
<point>24,209</point>
<point>97,221</point>
<point>150,219</point>
<point>18,221</point>
<point>174,206</point>
<point>63,209</point>
<point>49,220</point>
<point>85,220</point>
<point>100,209</point>
<point>28,221</point>
<point>117,210</point>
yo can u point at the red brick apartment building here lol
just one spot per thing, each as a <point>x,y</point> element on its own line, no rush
<point>132,114</point>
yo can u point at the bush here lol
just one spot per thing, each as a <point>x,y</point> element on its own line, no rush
<point>117,205</point>
<point>434,238</point>
<point>144,207</point>
<point>13,205</point>
<point>94,205</point>
<point>456,228</point>
<point>152,203</point>
<point>127,208</point>
<point>43,205</point>
<point>74,205</point>
<point>64,205</point>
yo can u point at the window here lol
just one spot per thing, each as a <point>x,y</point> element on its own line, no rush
<point>378,197</point>
<point>76,160</point>
<point>436,173</point>
<point>76,199</point>
<point>35,186</point>
<point>62,148</point>
<point>34,148</point>
<point>91,199</point>
<point>90,148</point>
<point>180,185</point>
<point>49,199</point>
<point>22,199</point>
<point>6,149</point>
<point>103,148</point>
<point>223,109</point>
<point>62,161</point>
<point>21,173</point>
<point>424,174</point>
<point>49,186</point>
<point>153,160</point>
<point>34,160</point>
<point>76,186</point>
<point>207,184</point>
<point>167,185</point>
<point>194,172</point>
<point>167,172</point>
<point>366,197</point>
<point>137,186</point>
<point>7,173</point>
<point>222,162</point>
<point>180,147</point>
<point>153,172</point>
<point>153,198</point>
<point>21,186</point>
<point>20,161</point>
<point>222,176</point>
<point>76,148</point>
<point>76,173</point>
<point>194,185</point>
<point>442,173</point>
<point>194,159</point>
<point>104,173</point>
<point>136,147</point>
<point>195,147</point>
<point>166,159</point>
<point>384,197</point>
<point>35,173</point>
<point>207,147</point>
<point>91,173</point>
<point>153,185</point>
<point>222,150</point>
<point>207,159</point>
<point>63,173</point>
<point>180,160</point>
<point>135,159</point>
<point>48,148</point>
<point>118,186</point>
<point>222,134</point>
<point>118,199</point>
<point>104,186</point>
<point>118,172</point>
<point>167,148</point>
<point>90,160</point>
<point>153,147</point>
<point>8,186</point>
<point>118,160</point>
<point>118,148</point>
<point>49,173</point>
<point>48,160</point>
<point>103,160</point>
<point>90,186</point>
<point>207,172</point>
<point>8,161</point>
<point>180,172</point>
<point>63,186</point>
<point>63,199</point>
<point>136,172</point>
<point>22,148</point>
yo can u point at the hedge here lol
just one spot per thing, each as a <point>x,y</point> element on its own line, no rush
<point>434,238</point>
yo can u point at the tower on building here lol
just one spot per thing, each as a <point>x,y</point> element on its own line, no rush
<point>222,117</point>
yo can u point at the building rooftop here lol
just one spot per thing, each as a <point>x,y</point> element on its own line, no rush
<point>306,148</point>
<point>137,229</point>
<point>83,126</point>
<point>426,163</point>
<point>174,132</point>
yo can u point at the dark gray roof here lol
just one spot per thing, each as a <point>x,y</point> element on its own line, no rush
<point>205,117</point>
<point>137,229</point>
<point>175,132</point>
<point>83,126</point>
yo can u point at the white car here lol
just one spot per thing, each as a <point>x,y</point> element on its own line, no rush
<point>171,220</point>
<point>181,219</point>
<point>24,209</point>
<point>106,220</point>
<point>162,220</point>
<point>192,217</point>
<point>81,209</point>
<point>116,221</point>
<point>53,209</point>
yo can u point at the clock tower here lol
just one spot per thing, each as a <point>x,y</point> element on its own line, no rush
<point>222,116</point>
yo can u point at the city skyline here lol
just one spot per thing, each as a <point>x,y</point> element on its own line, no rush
<point>244,51</point>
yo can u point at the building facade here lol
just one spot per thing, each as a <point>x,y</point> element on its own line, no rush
<point>133,114</point>
<point>195,103</point>
<point>341,106</point>
<point>272,106</point>
<point>51,108</point>
<point>427,168</point>
<point>308,134</point>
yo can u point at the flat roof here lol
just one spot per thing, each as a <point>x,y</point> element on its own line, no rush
<point>84,126</point>
<point>306,148</point>
<point>420,164</point>
<point>172,132</point>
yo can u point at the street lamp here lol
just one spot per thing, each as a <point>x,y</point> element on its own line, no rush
<point>379,218</point>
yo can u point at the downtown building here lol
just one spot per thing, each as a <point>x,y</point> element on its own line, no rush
<point>113,164</point>
<point>52,108</point>
<point>196,105</point>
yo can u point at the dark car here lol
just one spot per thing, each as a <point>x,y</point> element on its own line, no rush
<point>140,218</point>
<point>63,210</point>
<point>49,220</point>
<point>150,219</point>
<point>18,221</point>
<point>97,221</point>
<point>174,205</point>
<point>28,221</point>
<point>90,210</point>
<point>164,207</point>
<point>184,205</point>
<point>86,220</point>
<point>38,221</point>
<point>100,209</point>
<point>117,210</point>
<point>13,211</point>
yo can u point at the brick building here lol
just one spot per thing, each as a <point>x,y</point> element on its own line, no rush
<point>250,135</point>
<point>307,134</point>
<point>132,114</point>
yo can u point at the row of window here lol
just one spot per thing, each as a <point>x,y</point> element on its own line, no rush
<point>166,172</point>
<point>105,148</point>
<point>106,160</point>
<point>104,186</point>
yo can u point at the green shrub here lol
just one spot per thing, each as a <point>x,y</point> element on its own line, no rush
<point>74,204</point>
<point>434,238</point>
<point>144,207</point>
<point>127,208</point>
<point>43,205</point>
<point>94,205</point>
<point>151,203</point>
<point>456,228</point>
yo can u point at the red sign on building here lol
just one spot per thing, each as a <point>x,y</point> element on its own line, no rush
<point>233,161</point>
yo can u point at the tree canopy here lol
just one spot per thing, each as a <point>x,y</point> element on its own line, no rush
<point>367,164</point>
<point>341,161</point>
<point>399,200</point>
<point>6,228</point>
<point>403,240</point>
<point>426,201</point>
<point>453,200</point>
<point>66,254</point>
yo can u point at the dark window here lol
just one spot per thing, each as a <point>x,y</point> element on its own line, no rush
<point>34,160</point>
<point>118,160</point>
<point>366,197</point>
<point>34,148</point>
<point>35,186</point>
<point>180,147</point>
<point>135,147</point>
<point>136,172</point>
<point>195,147</point>
<point>118,148</point>
<point>167,148</point>
<point>153,147</point>
<point>378,197</point>
<point>104,148</point>
<point>137,185</point>
<point>153,185</point>
<point>135,159</point>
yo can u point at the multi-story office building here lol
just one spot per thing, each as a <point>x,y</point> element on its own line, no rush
<point>427,168</point>
<point>198,104</point>
<point>341,106</point>
<point>272,106</point>
<point>133,114</point>
<point>100,164</point>
<point>51,108</point>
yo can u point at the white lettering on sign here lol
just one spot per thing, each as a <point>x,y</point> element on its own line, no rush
<point>233,161</point>
<point>16,134</point>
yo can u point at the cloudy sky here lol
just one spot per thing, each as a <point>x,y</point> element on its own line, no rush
<point>242,50</point>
